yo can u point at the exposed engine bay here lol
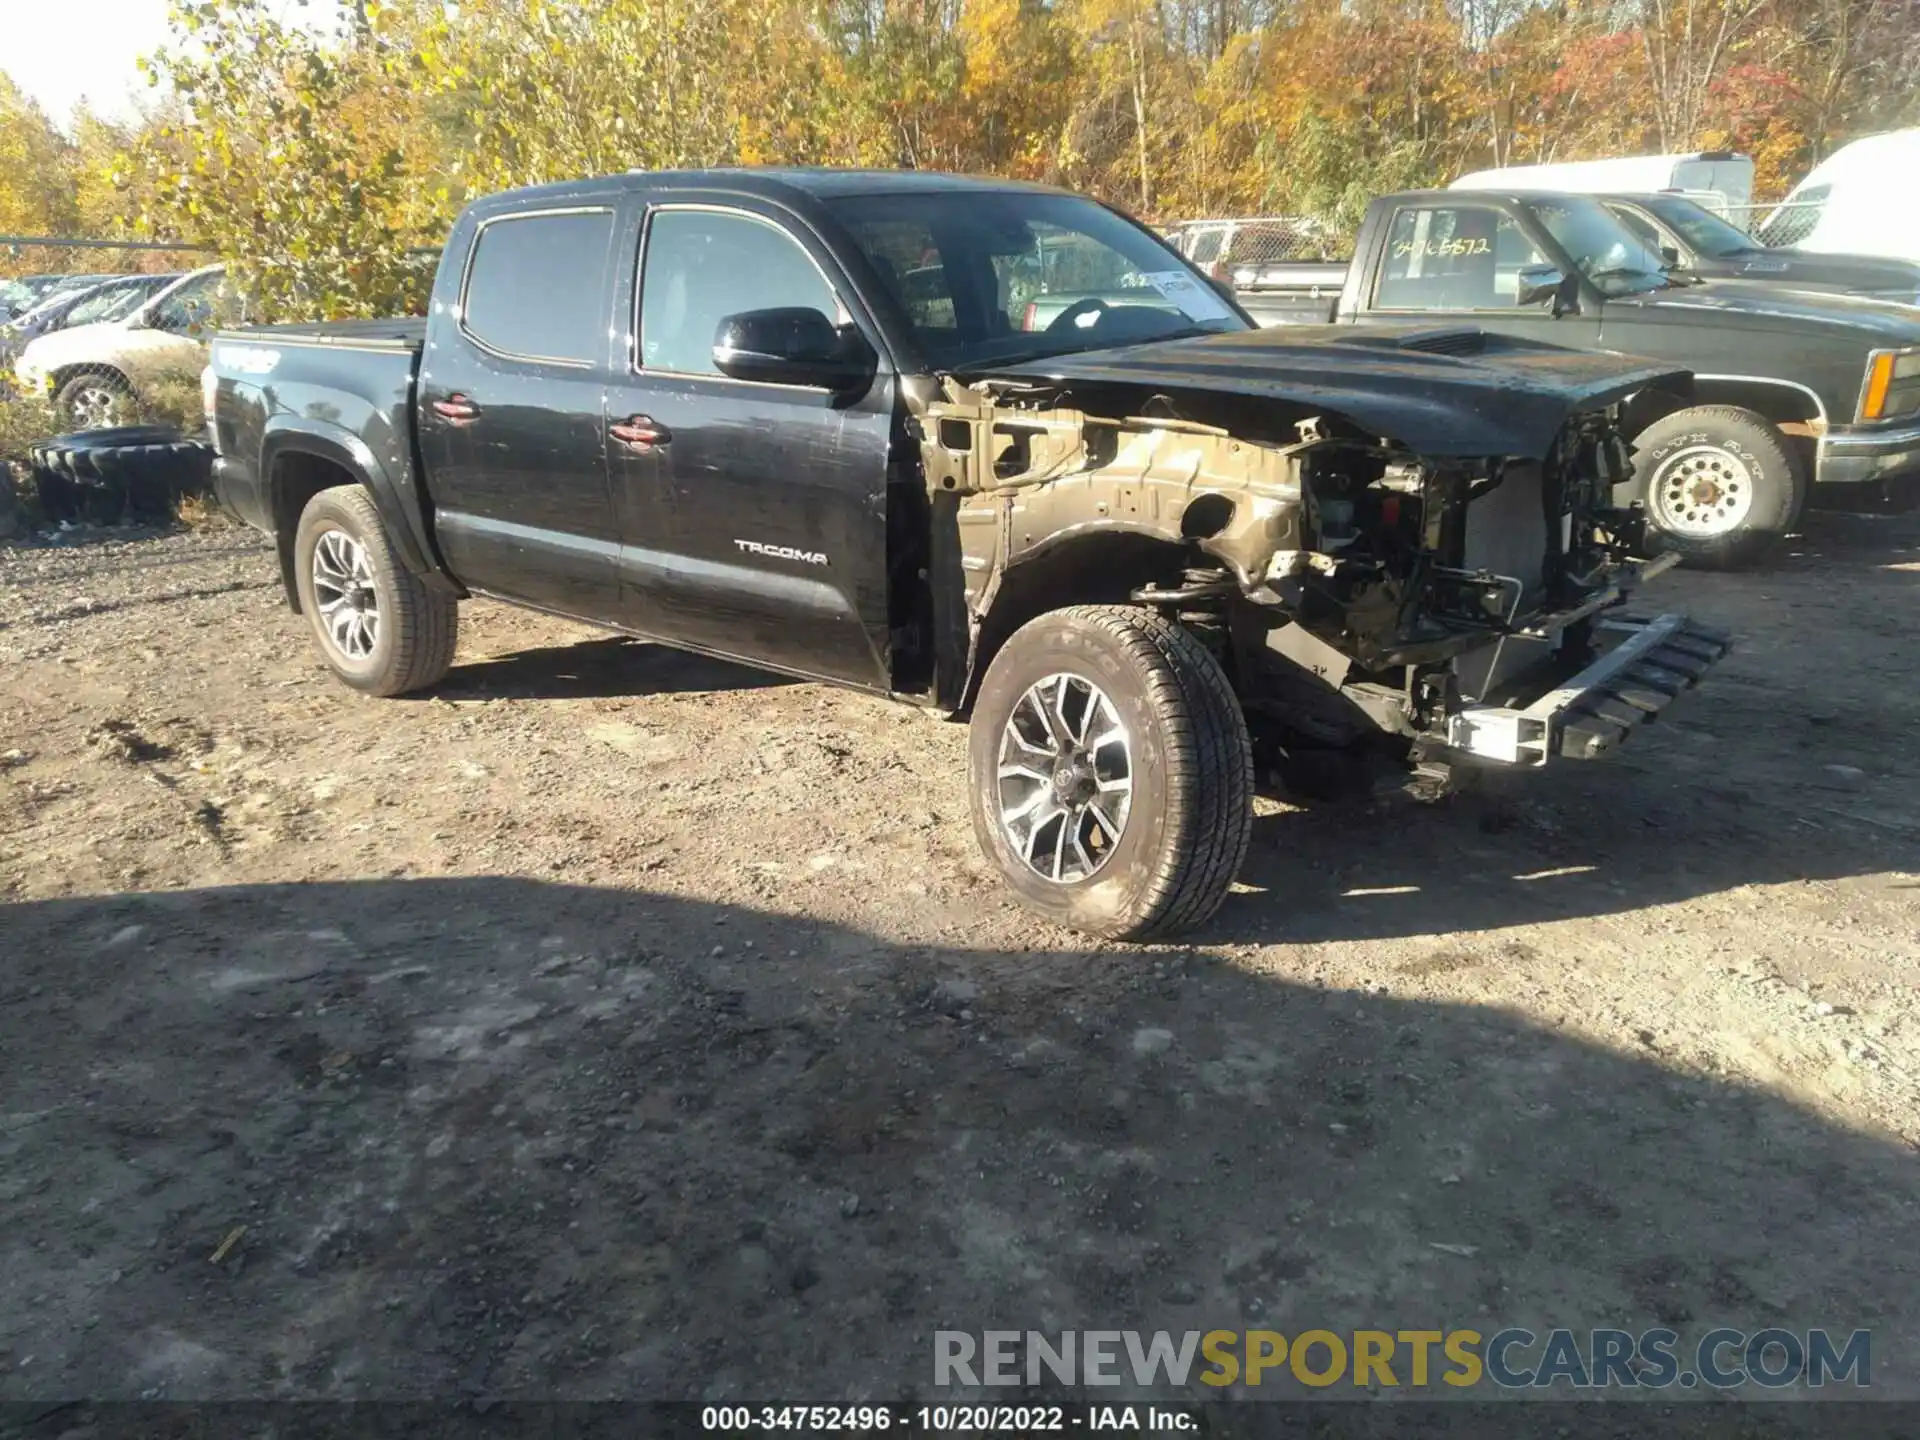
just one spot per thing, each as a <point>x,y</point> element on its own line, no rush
<point>1358,593</point>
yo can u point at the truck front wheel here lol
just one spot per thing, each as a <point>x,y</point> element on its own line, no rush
<point>1719,483</point>
<point>379,629</point>
<point>1112,777</point>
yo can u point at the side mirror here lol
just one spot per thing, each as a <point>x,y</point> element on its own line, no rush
<point>1538,282</point>
<point>1670,255</point>
<point>794,345</point>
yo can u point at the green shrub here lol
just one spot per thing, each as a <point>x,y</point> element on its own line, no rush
<point>25,420</point>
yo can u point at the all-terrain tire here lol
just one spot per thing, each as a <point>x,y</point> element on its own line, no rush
<point>135,472</point>
<point>1721,485</point>
<point>1188,763</point>
<point>417,628</point>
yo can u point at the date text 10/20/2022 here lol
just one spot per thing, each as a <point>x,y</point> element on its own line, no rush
<point>943,1419</point>
<point>1446,1360</point>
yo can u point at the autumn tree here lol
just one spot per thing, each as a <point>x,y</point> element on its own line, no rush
<point>293,153</point>
<point>36,176</point>
<point>313,154</point>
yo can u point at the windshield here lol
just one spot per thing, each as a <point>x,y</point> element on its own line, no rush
<point>109,302</point>
<point>1702,229</point>
<point>1606,252</point>
<point>36,311</point>
<point>999,277</point>
<point>18,295</point>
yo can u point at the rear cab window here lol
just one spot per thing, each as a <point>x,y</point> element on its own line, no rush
<point>1644,230</point>
<point>533,287</point>
<point>1453,257</point>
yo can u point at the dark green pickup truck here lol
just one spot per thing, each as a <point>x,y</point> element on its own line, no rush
<point>1796,395</point>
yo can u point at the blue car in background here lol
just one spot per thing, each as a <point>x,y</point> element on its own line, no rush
<point>21,295</point>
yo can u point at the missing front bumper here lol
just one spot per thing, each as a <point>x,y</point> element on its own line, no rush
<point>1587,715</point>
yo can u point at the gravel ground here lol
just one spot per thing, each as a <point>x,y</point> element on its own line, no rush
<point>615,1022</point>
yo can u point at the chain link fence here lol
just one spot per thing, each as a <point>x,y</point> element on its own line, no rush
<point>1222,245</point>
<point>1779,224</point>
<point>37,268</point>
<point>23,255</point>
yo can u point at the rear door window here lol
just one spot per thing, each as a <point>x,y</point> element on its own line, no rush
<point>535,287</point>
<point>200,302</point>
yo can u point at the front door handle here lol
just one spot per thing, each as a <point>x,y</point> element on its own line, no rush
<point>457,408</point>
<point>640,432</point>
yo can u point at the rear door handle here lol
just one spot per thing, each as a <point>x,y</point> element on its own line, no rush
<point>457,408</point>
<point>640,432</point>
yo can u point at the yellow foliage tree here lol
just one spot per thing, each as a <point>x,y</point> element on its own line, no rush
<point>36,178</point>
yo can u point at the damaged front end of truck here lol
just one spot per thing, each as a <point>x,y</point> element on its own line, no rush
<point>1403,546</point>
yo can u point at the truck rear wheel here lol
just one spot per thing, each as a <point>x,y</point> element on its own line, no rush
<point>379,629</point>
<point>1112,777</point>
<point>1719,483</point>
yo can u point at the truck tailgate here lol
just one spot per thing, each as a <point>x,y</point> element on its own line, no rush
<point>1290,307</point>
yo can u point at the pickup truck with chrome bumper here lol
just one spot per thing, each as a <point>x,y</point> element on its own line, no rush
<point>1152,553</point>
<point>1872,455</point>
<point>1799,397</point>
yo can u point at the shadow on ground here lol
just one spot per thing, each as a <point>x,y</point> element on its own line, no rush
<point>1557,847</point>
<point>491,1137</point>
<point>599,669</point>
<point>1786,765</point>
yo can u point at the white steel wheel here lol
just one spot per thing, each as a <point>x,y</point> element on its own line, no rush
<point>1702,491</point>
<point>1721,484</point>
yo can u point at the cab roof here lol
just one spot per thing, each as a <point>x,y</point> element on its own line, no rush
<point>774,182</point>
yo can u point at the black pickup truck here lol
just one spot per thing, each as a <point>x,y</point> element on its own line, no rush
<point>1154,552</point>
<point>1796,395</point>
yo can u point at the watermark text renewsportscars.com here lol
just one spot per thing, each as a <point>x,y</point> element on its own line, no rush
<point>1438,1360</point>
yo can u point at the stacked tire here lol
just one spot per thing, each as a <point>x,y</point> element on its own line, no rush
<point>130,473</point>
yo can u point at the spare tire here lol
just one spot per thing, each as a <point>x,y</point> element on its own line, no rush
<point>126,472</point>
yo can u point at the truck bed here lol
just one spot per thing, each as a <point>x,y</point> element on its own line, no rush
<point>1292,293</point>
<point>346,386</point>
<point>407,335</point>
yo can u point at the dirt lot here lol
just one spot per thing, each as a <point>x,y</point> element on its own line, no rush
<point>619,1023</point>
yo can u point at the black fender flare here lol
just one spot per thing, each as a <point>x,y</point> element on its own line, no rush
<point>1080,569</point>
<point>324,440</point>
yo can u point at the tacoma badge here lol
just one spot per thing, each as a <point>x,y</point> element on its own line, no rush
<point>781,552</point>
